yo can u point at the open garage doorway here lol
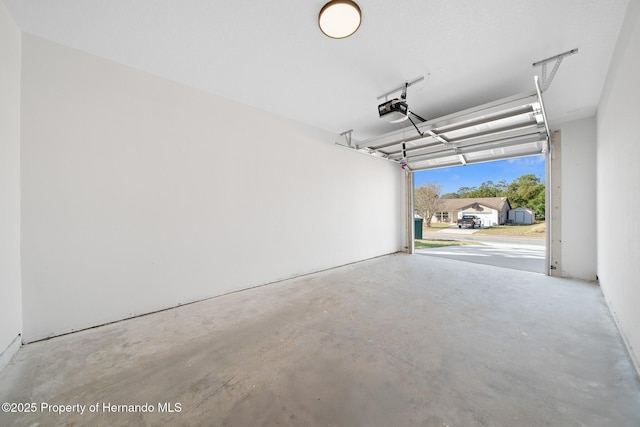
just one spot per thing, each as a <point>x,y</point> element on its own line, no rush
<point>515,127</point>
<point>489,213</point>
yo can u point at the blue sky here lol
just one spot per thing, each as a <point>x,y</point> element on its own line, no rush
<point>451,179</point>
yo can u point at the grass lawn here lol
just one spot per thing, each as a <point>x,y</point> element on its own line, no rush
<point>533,230</point>
<point>438,243</point>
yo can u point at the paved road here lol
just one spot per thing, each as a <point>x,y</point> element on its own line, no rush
<point>471,234</point>
<point>510,252</point>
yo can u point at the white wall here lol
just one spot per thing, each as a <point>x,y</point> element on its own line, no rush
<point>618,174</point>
<point>140,194</point>
<point>10,288</point>
<point>578,186</point>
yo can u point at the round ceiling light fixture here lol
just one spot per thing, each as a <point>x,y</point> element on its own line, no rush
<point>339,18</point>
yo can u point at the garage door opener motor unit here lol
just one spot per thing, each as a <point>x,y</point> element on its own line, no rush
<point>394,110</point>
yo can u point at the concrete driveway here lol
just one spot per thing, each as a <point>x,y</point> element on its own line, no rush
<point>507,254</point>
<point>456,230</point>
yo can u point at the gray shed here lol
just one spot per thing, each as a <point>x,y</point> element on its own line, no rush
<point>521,215</point>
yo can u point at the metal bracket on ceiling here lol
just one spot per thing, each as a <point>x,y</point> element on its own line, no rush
<point>402,88</point>
<point>546,81</point>
<point>347,136</point>
<point>365,150</point>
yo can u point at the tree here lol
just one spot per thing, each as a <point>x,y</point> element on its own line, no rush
<point>538,203</point>
<point>426,201</point>
<point>466,192</point>
<point>486,189</point>
<point>450,196</point>
<point>528,191</point>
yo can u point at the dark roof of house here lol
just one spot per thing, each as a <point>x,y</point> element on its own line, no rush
<point>497,203</point>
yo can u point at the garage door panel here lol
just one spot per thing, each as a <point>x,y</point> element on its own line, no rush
<point>512,127</point>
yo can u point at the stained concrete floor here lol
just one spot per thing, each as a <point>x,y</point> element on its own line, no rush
<point>395,341</point>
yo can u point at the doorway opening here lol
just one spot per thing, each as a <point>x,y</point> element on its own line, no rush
<point>489,213</point>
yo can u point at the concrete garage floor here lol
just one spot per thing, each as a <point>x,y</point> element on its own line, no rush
<point>395,341</point>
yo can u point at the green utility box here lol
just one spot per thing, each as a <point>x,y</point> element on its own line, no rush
<point>417,226</point>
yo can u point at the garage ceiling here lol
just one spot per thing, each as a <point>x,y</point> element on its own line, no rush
<point>271,55</point>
